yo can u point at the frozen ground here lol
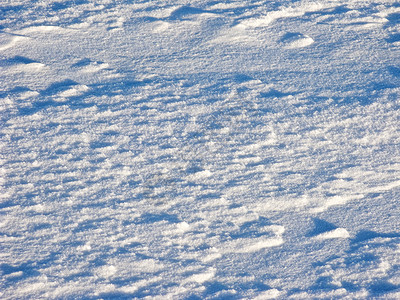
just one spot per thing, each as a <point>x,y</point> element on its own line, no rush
<point>199,149</point>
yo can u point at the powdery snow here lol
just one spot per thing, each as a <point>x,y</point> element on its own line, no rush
<point>199,150</point>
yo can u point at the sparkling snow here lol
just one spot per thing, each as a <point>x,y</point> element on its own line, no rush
<point>199,149</point>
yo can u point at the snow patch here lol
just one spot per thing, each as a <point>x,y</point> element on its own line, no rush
<point>288,12</point>
<point>269,294</point>
<point>107,271</point>
<point>72,92</point>
<point>202,277</point>
<point>296,40</point>
<point>8,41</point>
<point>338,233</point>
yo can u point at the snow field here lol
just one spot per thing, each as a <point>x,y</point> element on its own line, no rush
<point>202,150</point>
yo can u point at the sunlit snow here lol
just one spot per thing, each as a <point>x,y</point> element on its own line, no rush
<point>199,149</point>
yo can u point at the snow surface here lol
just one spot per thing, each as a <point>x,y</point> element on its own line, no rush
<point>199,149</point>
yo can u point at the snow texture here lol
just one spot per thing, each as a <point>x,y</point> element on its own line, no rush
<point>199,149</point>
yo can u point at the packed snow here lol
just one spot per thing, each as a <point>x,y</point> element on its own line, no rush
<point>199,149</point>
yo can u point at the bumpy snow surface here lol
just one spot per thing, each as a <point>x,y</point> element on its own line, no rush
<point>199,149</point>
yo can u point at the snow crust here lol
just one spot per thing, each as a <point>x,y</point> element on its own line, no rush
<point>199,149</point>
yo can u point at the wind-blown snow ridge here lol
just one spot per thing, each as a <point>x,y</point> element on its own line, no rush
<point>286,12</point>
<point>203,150</point>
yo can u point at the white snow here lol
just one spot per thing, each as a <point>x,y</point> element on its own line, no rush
<point>333,234</point>
<point>199,150</point>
